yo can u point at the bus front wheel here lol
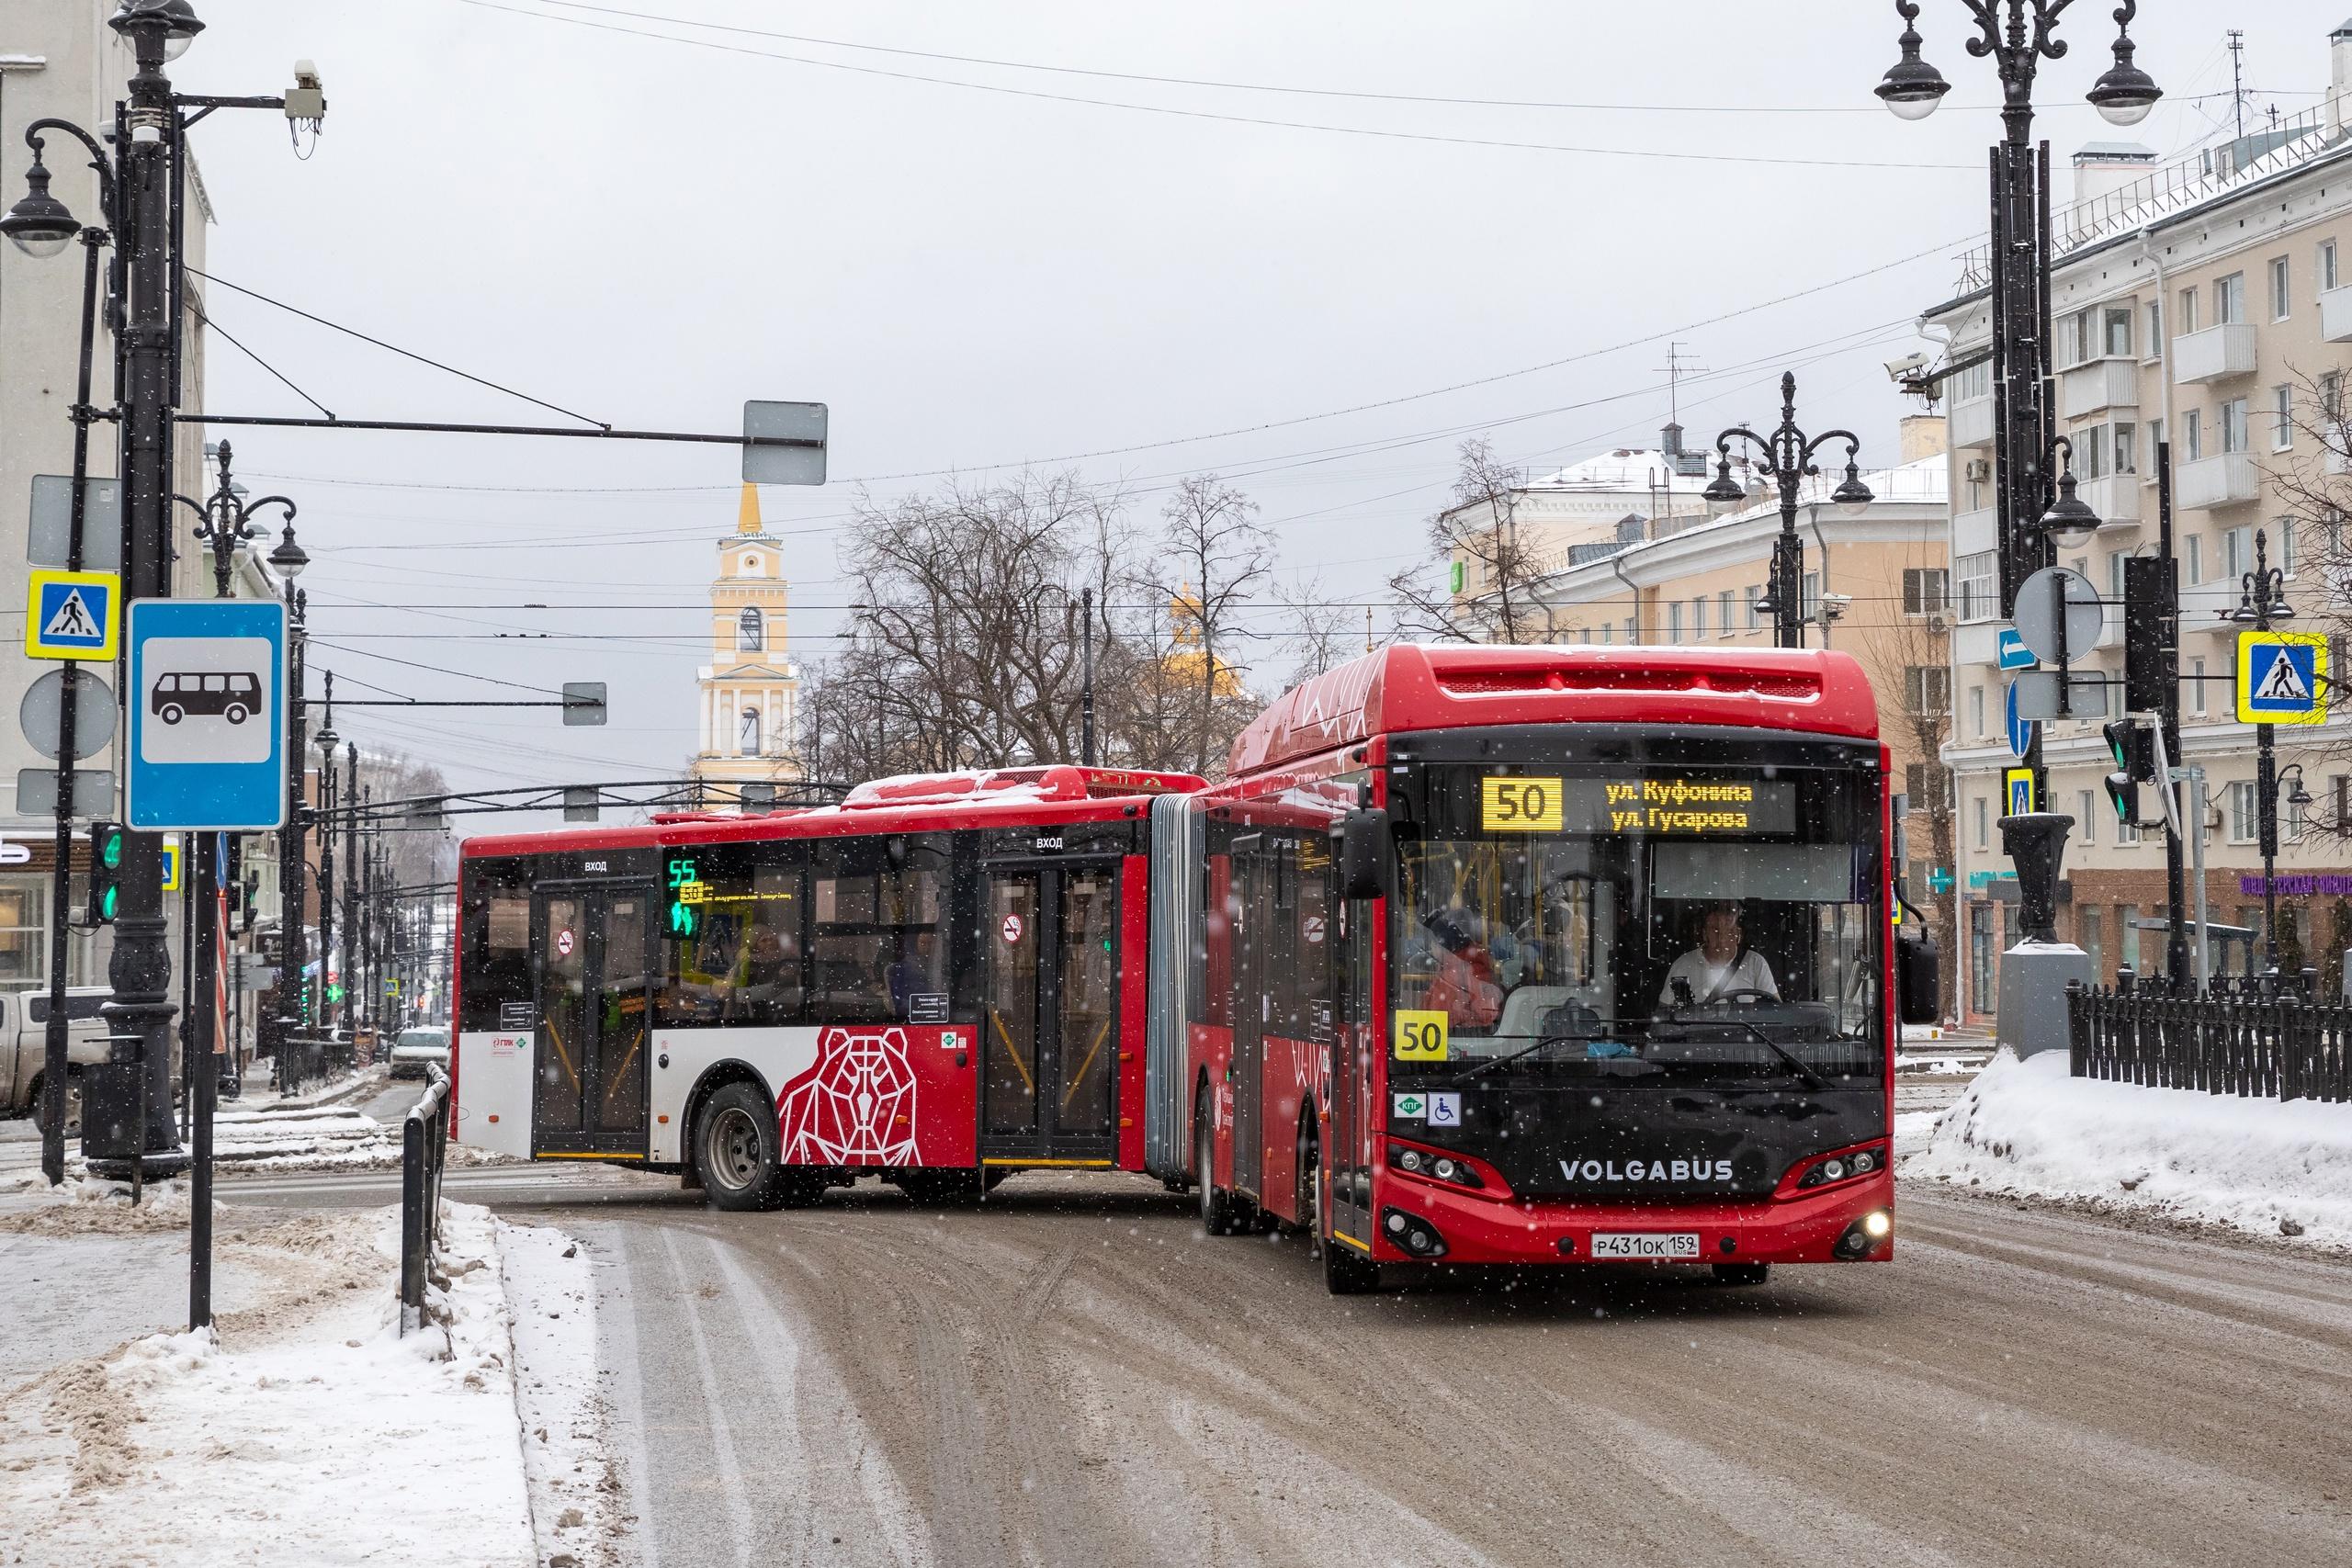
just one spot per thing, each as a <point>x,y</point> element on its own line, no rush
<point>735,1149</point>
<point>1218,1215</point>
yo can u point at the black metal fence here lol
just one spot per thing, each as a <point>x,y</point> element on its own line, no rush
<point>425,1149</point>
<point>2279,1047</point>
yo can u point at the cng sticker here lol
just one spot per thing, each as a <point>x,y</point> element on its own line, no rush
<point>1420,1035</point>
<point>1407,1106</point>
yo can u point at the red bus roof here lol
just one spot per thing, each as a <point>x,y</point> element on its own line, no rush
<point>914,803</point>
<point>1455,686</point>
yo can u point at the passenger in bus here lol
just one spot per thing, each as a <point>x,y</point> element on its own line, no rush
<point>912,972</point>
<point>1464,980</point>
<point>1720,968</point>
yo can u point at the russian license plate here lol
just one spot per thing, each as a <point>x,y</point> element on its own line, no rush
<point>1640,1245</point>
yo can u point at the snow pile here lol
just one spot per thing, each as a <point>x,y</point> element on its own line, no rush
<point>308,1432</point>
<point>2257,1166</point>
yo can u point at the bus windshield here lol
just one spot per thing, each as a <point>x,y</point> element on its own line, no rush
<point>1640,924</point>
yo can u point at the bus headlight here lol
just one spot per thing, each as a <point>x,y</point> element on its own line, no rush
<point>1878,1222</point>
<point>1433,1166</point>
<point>1842,1167</point>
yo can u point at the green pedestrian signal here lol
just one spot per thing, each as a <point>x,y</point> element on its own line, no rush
<point>106,840</point>
<point>681,919</point>
<point>686,891</point>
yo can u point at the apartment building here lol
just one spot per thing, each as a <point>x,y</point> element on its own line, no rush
<point>2209,300</point>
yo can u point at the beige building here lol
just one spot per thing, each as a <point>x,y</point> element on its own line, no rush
<point>1875,585</point>
<point>2210,300</point>
<point>63,61</point>
<point>750,690</point>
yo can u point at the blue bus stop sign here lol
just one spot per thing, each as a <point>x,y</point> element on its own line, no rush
<point>2021,729</point>
<point>206,694</point>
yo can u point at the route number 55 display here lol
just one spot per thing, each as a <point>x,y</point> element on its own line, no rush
<point>1515,803</point>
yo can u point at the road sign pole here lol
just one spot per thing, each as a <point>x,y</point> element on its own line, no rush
<point>203,1070</point>
<point>2168,711</point>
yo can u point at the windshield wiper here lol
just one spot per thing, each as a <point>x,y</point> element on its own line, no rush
<point>1770,1044</point>
<point>1542,1040</point>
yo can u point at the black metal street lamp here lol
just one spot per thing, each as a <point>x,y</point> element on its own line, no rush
<point>2262,604</point>
<point>2034,513</point>
<point>142,194</point>
<point>227,521</point>
<point>1789,452</point>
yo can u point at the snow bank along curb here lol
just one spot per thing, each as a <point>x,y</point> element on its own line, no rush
<point>2257,1166</point>
<point>314,1433</point>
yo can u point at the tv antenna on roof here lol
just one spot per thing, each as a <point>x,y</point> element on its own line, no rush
<point>1677,364</point>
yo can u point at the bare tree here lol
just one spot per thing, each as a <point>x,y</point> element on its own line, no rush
<point>1323,632</point>
<point>2313,482</point>
<point>1480,533</point>
<point>1212,558</point>
<point>1910,664</point>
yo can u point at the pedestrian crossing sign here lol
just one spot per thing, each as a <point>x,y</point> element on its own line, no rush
<point>2282,677</point>
<point>72,614</point>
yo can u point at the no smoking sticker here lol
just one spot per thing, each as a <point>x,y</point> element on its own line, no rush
<point>1012,928</point>
<point>563,942</point>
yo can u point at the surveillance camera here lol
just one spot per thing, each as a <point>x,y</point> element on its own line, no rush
<point>1907,367</point>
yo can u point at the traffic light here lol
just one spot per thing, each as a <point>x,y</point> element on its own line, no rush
<point>2133,747</point>
<point>2151,602</point>
<point>105,871</point>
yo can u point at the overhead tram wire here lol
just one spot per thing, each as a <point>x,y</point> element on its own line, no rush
<point>1229,86</point>
<point>1644,153</point>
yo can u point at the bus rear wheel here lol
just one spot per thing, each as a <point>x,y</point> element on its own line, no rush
<point>1217,1213</point>
<point>735,1150</point>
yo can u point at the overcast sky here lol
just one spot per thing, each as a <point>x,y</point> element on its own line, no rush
<point>975,275</point>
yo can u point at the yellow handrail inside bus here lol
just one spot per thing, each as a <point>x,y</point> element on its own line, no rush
<point>1100,1035</point>
<point>560,1053</point>
<point>619,1078</point>
<point>1019,1066</point>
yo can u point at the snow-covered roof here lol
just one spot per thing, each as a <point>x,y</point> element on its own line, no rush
<point>2116,151</point>
<point>1626,468</point>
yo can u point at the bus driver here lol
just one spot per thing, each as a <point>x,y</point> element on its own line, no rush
<point>1719,967</point>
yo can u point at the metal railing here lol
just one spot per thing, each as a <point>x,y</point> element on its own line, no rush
<point>425,1149</point>
<point>2272,1047</point>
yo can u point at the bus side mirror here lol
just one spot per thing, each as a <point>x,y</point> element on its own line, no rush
<point>1918,984</point>
<point>1363,853</point>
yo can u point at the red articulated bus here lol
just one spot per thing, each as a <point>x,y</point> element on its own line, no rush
<point>940,981</point>
<point>1517,956</point>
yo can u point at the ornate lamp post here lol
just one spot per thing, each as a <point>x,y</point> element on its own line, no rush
<point>2033,513</point>
<point>1788,454</point>
<point>227,522</point>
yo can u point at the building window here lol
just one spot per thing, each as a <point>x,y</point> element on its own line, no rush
<point>1755,595</point>
<point>751,633</point>
<point>2125,448</point>
<point>2282,531</point>
<point>2283,418</point>
<point>2076,335</point>
<point>2155,440</point>
<point>2125,834</point>
<point>2156,330</point>
<point>1674,620</point>
<point>1608,634</point>
<point>2228,299</point>
<point>2127,934</point>
<point>1928,786</point>
<point>2187,311</point>
<point>1976,381</point>
<point>2085,818</point>
<point>1632,632</point>
<point>2237,551</point>
<point>1810,596</point>
<point>2281,306</point>
<point>1984,823</point>
<point>1980,598</point>
<point>2087,936</point>
<point>2115,559</point>
<point>1699,618</point>
<point>2331,396</point>
<point>2192,435</point>
<point>2197,686</point>
<point>1924,589</point>
<point>23,932</point>
<point>1927,688</point>
<point>1976,710</point>
<point>2195,558</point>
<point>2326,266</point>
<point>747,733</point>
<point>2244,808</point>
<point>2118,332</point>
<point>2232,425</point>
<point>1722,609</point>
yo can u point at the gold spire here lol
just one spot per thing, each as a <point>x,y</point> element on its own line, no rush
<point>747,518</point>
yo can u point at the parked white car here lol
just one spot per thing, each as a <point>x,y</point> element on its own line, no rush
<point>24,1044</point>
<point>413,1049</point>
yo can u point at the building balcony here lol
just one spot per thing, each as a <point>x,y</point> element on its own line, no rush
<point>2214,354</point>
<point>2336,315</point>
<point>1972,424</point>
<point>1974,532</point>
<point>2099,385</point>
<point>2116,499</point>
<point>2229,479</point>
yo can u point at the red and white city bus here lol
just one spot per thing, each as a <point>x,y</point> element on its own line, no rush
<point>1555,955</point>
<point>940,981</point>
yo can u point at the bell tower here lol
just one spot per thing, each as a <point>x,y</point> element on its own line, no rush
<point>750,691</point>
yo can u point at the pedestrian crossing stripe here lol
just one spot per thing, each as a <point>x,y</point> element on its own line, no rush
<point>72,614</point>
<point>2282,677</point>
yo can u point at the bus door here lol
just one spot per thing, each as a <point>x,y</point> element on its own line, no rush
<point>1253,924</point>
<point>1352,1125</point>
<point>1049,1033</point>
<point>595,947</point>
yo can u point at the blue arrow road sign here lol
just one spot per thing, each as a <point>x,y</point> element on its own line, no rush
<point>2021,729</point>
<point>206,694</point>
<point>2014,654</point>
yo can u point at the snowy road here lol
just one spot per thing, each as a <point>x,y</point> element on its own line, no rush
<point>1075,1375</point>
